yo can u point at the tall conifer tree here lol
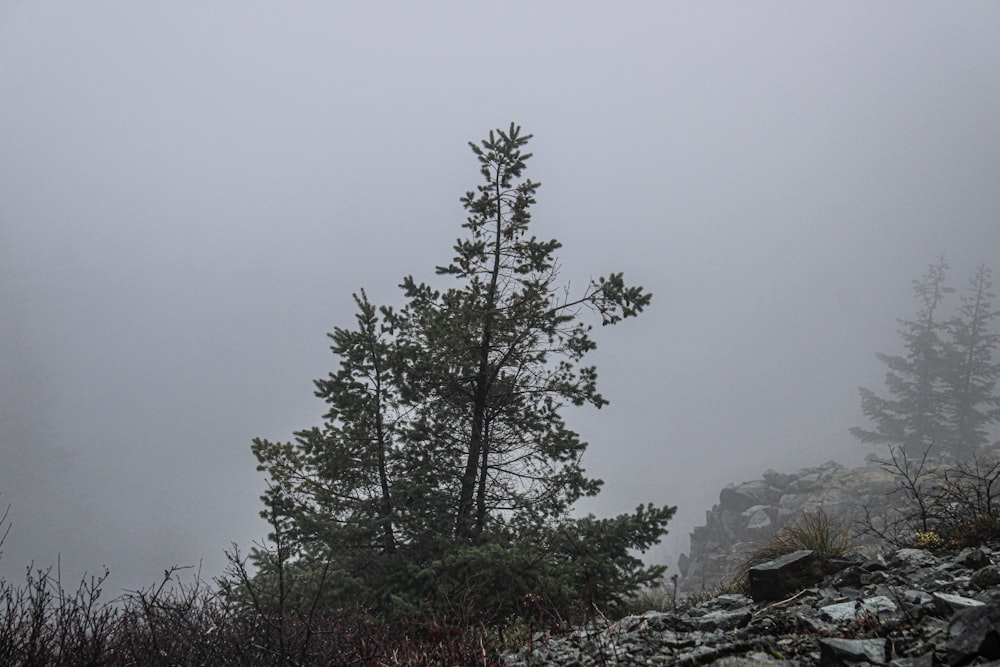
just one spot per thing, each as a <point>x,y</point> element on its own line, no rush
<point>444,467</point>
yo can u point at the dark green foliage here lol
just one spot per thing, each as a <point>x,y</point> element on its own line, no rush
<point>942,390</point>
<point>442,478</point>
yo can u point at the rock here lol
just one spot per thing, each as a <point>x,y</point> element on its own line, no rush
<point>974,634</point>
<point>918,557</point>
<point>756,659</point>
<point>925,660</point>
<point>919,600</point>
<point>949,603</point>
<point>850,611</point>
<point>776,479</point>
<point>743,497</point>
<point>874,565</point>
<point>723,620</point>
<point>779,578</point>
<point>758,517</point>
<point>729,601</point>
<point>807,482</point>
<point>836,652</point>
<point>973,559</point>
<point>849,576</point>
<point>986,577</point>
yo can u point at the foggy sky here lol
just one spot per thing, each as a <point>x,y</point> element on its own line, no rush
<point>191,191</point>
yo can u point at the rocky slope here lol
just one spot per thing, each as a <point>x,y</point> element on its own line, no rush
<point>908,608</point>
<point>750,514</point>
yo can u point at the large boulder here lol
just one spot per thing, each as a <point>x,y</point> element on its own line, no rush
<point>784,576</point>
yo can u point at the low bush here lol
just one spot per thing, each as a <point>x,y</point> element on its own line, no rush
<point>177,623</point>
<point>942,503</point>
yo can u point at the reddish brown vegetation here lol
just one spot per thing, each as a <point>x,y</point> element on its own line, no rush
<point>178,624</point>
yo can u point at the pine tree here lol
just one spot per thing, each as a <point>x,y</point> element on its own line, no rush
<point>943,391</point>
<point>915,416</point>
<point>973,370</point>
<point>444,468</point>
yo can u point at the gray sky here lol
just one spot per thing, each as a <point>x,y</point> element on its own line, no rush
<point>191,191</point>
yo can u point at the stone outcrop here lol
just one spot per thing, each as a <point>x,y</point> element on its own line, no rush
<point>750,514</point>
<point>908,608</point>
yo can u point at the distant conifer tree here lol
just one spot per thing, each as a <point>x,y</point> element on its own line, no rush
<point>973,370</point>
<point>942,391</point>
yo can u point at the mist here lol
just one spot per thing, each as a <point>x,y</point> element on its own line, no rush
<point>190,192</point>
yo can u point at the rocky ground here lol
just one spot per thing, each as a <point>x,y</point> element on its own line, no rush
<point>908,607</point>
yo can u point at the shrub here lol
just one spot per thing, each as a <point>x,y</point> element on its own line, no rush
<point>928,539</point>
<point>943,503</point>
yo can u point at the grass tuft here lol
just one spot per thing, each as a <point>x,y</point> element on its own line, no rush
<point>815,531</point>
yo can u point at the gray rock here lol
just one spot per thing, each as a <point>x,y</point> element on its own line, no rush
<point>919,599</point>
<point>731,601</point>
<point>808,482</point>
<point>973,559</point>
<point>974,634</point>
<point>776,479</point>
<point>916,557</point>
<point>753,659</point>
<point>874,565</point>
<point>850,611</point>
<point>985,578</point>
<point>758,517</point>
<point>949,603</point>
<point>835,652</point>
<point>833,496</point>
<point>925,660</point>
<point>724,620</point>
<point>743,497</point>
<point>779,578</point>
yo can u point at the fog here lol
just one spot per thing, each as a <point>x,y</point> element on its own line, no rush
<point>191,191</point>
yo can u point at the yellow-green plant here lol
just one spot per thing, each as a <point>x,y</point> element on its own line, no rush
<point>928,539</point>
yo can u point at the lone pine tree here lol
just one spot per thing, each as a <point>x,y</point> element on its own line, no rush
<point>444,468</point>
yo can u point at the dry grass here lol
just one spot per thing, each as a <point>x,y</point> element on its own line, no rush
<point>815,531</point>
<point>42,624</point>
